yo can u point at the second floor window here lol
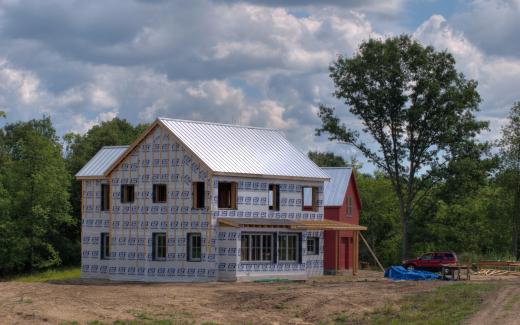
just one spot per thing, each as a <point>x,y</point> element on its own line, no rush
<point>105,197</point>
<point>159,193</point>
<point>227,195</point>
<point>197,192</point>
<point>274,197</point>
<point>349,206</point>
<point>127,193</point>
<point>309,198</point>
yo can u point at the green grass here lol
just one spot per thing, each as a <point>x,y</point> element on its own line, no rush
<point>50,275</point>
<point>449,304</point>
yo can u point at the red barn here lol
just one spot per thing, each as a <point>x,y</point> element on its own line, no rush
<point>342,203</point>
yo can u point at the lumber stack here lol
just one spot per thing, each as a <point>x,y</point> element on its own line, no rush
<point>491,272</point>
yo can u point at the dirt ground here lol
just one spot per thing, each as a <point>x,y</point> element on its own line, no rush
<point>501,307</point>
<point>308,302</point>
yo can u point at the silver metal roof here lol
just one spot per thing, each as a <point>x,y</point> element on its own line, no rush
<point>104,158</point>
<point>336,188</point>
<point>238,149</point>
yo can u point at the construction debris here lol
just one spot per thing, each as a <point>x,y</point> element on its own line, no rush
<point>491,272</point>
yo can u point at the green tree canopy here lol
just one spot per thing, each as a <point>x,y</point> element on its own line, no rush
<point>326,159</point>
<point>415,106</point>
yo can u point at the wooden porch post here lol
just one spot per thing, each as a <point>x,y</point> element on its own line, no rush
<point>355,251</point>
<point>336,251</point>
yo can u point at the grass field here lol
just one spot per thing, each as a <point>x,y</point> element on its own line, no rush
<point>50,275</point>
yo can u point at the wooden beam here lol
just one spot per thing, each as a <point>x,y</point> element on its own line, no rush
<point>355,249</point>
<point>336,251</point>
<point>372,252</point>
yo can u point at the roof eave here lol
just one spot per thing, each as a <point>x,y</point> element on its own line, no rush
<point>266,176</point>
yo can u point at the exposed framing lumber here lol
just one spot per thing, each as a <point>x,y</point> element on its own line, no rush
<point>372,253</point>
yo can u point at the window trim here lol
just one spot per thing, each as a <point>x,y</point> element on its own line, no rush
<point>250,234</point>
<point>155,248</point>
<point>105,197</point>
<point>349,206</point>
<point>276,197</point>
<point>189,246</point>
<point>316,244</point>
<point>155,194</point>
<point>104,247</point>
<point>297,247</point>
<point>123,186</point>
<point>232,196</point>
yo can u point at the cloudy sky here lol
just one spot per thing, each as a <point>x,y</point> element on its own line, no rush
<point>258,62</point>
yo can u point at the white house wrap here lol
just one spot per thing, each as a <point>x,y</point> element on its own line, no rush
<point>189,233</point>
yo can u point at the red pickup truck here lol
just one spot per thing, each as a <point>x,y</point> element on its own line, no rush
<point>431,261</point>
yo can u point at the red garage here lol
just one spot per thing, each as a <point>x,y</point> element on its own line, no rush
<point>342,203</point>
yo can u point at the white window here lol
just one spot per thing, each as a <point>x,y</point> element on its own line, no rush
<point>274,197</point>
<point>288,247</point>
<point>159,246</point>
<point>313,245</point>
<point>194,247</point>
<point>349,206</point>
<point>256,247</point>
<point>105,246</point>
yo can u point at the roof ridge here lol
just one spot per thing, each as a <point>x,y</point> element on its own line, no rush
<point>111,147</point>
<point>218,123</point>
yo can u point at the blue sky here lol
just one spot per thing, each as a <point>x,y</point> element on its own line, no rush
<point>257,62</point>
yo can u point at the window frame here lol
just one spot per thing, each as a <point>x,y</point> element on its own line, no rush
<point>104,246</point>
<point>196,201</point>
<point>126,198</point>
<point>314,199</point>
<point>275,189</point>
<point>105,197</point>
<point>250,247</point>
<point>157,246</point>
<point>349,206</point>
<point>316,245</point>
<point>156,193</point>
<point>232,199</point>
<point>190,247</point>
<point>296,247</point>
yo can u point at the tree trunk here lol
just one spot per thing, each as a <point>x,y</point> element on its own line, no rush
<point>516,223</point>
<point>404,223</point>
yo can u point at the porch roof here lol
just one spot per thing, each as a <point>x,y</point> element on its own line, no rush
<point>291,224</point>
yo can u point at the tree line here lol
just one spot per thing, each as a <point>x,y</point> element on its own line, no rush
<point>437,185</point>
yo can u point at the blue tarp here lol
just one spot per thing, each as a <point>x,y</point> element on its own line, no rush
<point>400,273</point>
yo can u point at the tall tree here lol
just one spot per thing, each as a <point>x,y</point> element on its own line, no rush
<point>510,158</point>
<point>416,107</point>
<point>38,222</point>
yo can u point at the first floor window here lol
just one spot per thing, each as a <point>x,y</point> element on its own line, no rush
<point>159,246</point>
<point>313,245</point>
<point>105,246</point>
<point>288,247</point>
<point>194,247</point>
<point>127,193</point>
<point>256,247</point>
